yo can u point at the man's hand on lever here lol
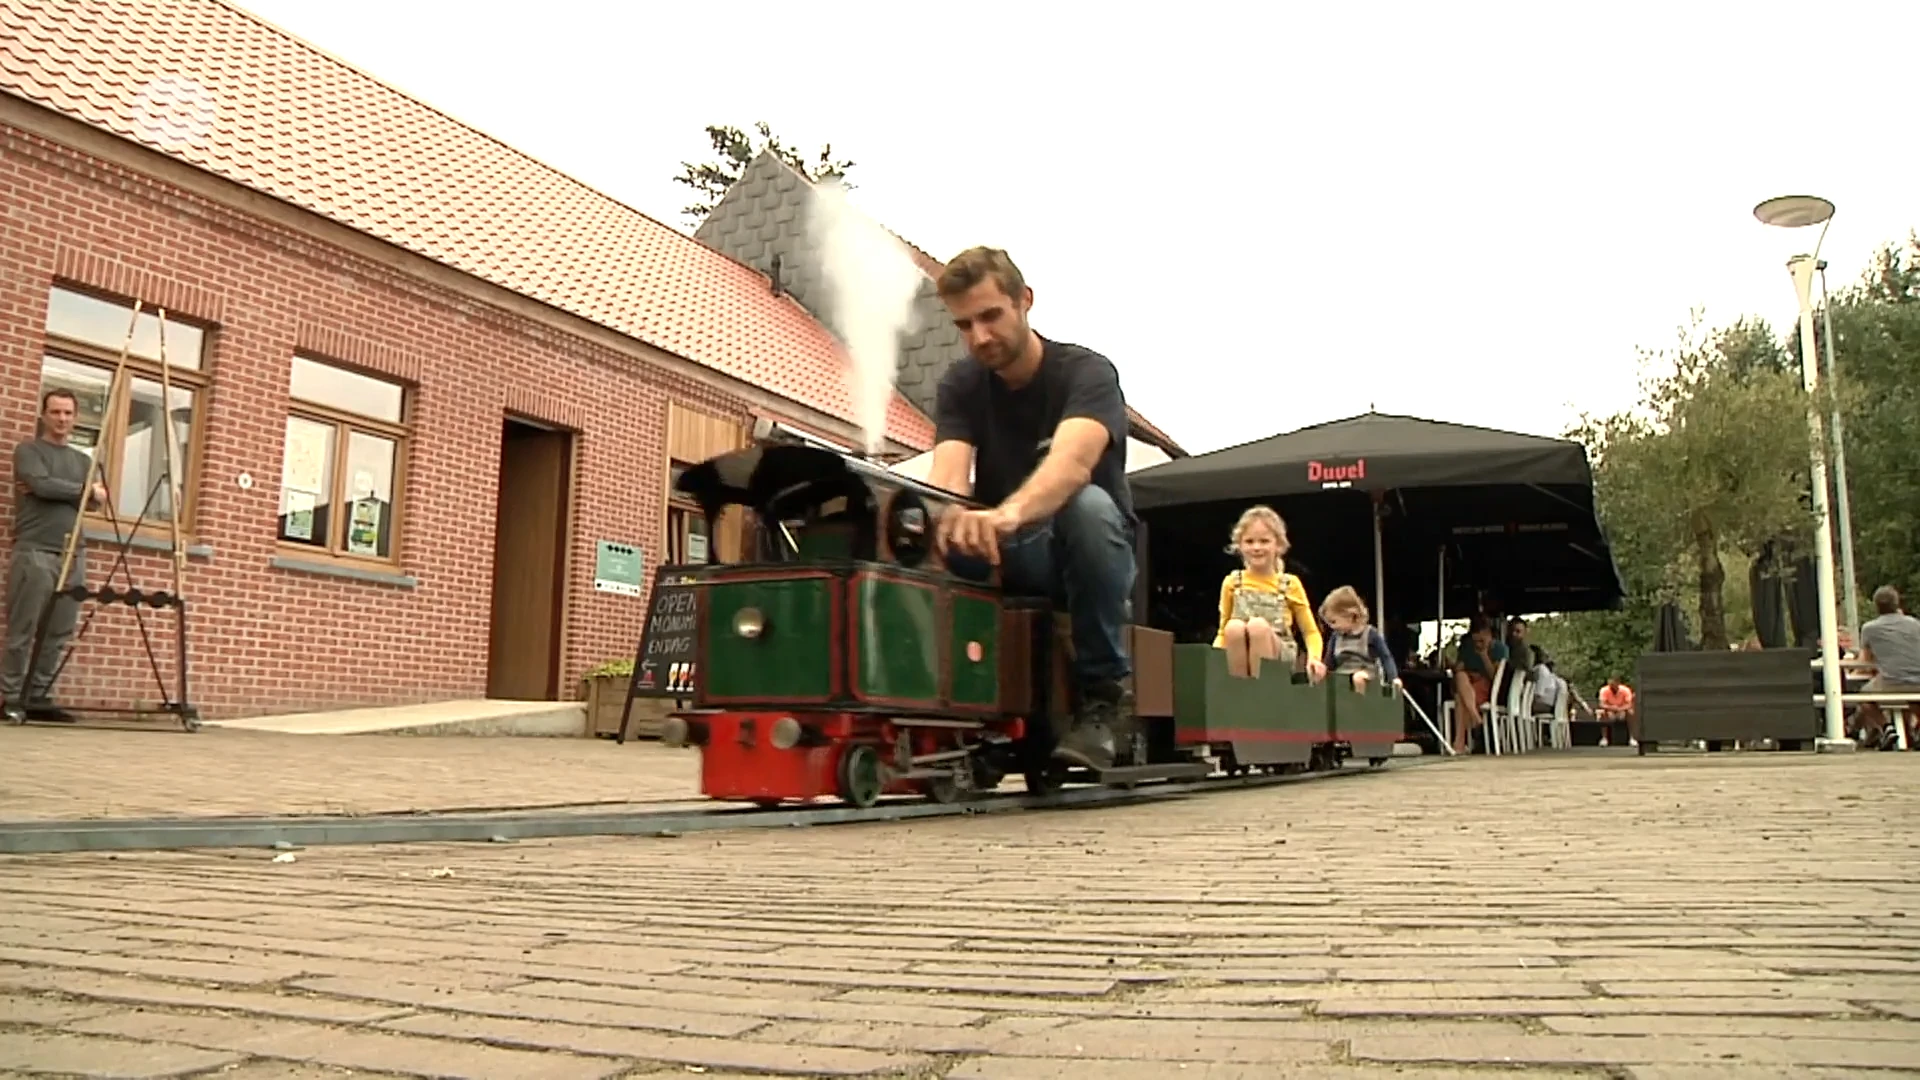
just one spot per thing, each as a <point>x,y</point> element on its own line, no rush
<point>977,532</point>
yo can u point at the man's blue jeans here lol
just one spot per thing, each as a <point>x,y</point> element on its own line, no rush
<point>1082,558</point>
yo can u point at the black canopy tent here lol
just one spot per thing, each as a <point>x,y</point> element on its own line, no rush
<point>1502,514</point>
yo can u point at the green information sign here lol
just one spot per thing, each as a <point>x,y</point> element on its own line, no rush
<point>616,569</point>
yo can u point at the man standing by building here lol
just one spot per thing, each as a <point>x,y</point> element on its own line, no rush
<point>1042,425</point>
<point>51,485</point>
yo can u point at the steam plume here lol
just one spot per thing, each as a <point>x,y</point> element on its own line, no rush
<point>871,284</point>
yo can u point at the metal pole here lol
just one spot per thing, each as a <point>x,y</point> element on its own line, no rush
<point>1802,268</point>
<point>1849,581</point>
<point>1379,563</point>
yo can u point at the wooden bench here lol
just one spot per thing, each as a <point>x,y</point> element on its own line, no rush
<point>1896,706</point>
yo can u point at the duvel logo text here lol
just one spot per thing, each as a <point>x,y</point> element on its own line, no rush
<point>1336,476</point>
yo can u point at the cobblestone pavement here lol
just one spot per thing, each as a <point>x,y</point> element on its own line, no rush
<point>66,772</point>
<point>1666,918</point>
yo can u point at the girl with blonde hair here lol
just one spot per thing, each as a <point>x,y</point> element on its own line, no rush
<point>1261,604</point>
<point>1354,647</point>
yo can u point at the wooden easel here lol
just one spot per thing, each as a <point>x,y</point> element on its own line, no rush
<point>118,389</point>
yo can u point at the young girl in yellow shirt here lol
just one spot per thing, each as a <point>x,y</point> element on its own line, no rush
<point>1261,603</point>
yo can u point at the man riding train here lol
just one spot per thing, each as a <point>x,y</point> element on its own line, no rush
<point>1041,426</point>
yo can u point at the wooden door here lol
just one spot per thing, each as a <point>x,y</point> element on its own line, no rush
<point>529,546</point>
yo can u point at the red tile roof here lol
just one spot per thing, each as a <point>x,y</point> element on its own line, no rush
<point>259,106</point>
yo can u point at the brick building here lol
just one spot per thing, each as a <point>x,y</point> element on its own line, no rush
<point>417,376</point>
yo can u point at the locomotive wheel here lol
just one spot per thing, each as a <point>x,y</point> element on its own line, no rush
<point>942,789</point>
<point>1047,779</point>
<point>860,776</point>
<point>986,775</point>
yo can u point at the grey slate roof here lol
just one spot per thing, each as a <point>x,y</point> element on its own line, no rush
<point>763,218</point>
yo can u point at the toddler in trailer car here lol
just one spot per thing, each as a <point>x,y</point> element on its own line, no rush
<point>1355,648</point>
<point>1261,603</point>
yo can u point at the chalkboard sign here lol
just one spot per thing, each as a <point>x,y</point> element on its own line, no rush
<point>663,668</point>
<point>664,665</point>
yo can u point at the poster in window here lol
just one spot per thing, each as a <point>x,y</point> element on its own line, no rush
<point>696,547</point>
<point>297,521</point>
<point>308,448</point>
<point>363,527</point>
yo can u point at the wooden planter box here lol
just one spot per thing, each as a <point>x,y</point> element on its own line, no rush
<point>1722,696</point>
<point>606,696</point>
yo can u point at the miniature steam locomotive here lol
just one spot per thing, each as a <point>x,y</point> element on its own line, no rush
<point>843,659</point>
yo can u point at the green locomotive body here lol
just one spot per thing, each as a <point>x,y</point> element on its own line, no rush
<point>845,659</point>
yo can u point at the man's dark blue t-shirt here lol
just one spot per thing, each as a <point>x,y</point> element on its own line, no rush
<point>1007,427</point>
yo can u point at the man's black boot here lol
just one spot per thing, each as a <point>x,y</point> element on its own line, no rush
<point>1090,742</point>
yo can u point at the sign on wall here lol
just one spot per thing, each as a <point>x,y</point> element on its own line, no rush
<point>616,568</point>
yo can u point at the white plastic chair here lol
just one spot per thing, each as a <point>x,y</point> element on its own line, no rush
<point>1507,720</point>
<point>1560,724</point>
<point>1495,711</point>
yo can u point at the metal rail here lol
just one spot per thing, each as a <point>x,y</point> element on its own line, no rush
<point>163,834</point>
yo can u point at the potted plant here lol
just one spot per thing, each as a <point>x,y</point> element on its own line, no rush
<point>604,688</point>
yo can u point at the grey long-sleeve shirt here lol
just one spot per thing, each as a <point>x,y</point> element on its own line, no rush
<point>56,487</point>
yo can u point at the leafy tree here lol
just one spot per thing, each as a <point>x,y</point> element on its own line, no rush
<point>1716,459</point>
<point>1715,462</point>
<point>1876,329</point>
<point>736,150</point>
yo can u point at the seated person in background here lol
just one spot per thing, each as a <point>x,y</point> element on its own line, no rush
<point>1519,651</point>
<point>1355,648</point>
<point>1261,603</point>
<point>1891,641</point>
<point>1548,686</point>
<point>1480,655</point>
<point>1616,704</point>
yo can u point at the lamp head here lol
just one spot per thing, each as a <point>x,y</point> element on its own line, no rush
<point>1794,211</point>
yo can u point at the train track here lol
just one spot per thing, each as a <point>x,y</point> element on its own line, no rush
<point>288,832</point>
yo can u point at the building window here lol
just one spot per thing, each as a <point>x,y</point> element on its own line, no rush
<point>340,472</point>
<point>687,537</point>
<point>85,335</point>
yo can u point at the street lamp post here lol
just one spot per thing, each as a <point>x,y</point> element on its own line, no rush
<point>1798,211</point>
<point>1849,580</point>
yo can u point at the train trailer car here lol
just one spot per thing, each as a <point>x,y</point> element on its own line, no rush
<point>843,659</point>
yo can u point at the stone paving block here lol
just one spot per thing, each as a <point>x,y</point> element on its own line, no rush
<point>156,967</point>
<point>898,1038</point>
<point>1750,1073</point>
<point>1721,1026</point>
<point>1008,1068</point>
<point>114,990</point>
<point>1592,1006</point>
<point>986,984</point>
<point>908,1009</point>
<point>505,974</point>
<point>455,972</point>
<point>1164,1041</point>
<point>1656,1050</point>
<point>1118,1069</point>
<point>37,1052</point>
<point>529,1007</point>
<point>39,1011</point>
<point>261,1069</point>
<point>359,1048</point>
<point>661,1049</point>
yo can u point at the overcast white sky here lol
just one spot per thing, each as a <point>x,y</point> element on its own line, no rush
<point>1466,211</point>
